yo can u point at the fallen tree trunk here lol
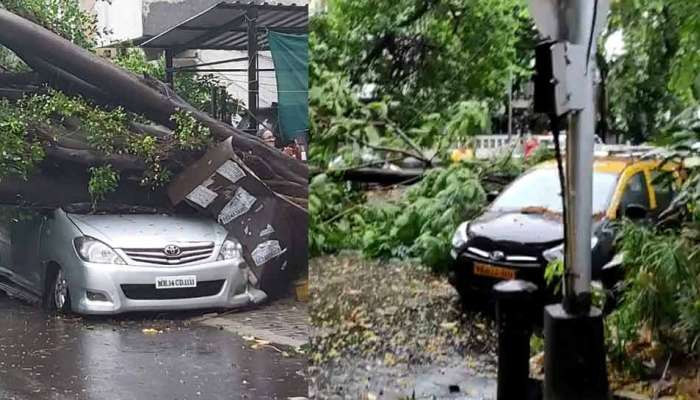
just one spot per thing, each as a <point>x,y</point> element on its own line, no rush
<point>71,146</point>
<point>54,186</point>
<point>20,78</point>
<point>382,175</point>
<point>12,93</point>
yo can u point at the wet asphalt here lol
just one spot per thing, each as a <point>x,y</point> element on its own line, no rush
<point>47,357</point>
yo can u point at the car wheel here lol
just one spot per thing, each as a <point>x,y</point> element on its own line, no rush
<point>469,299</point>
<point>57,295</point>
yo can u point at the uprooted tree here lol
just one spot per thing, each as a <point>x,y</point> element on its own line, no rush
<point>77,128</point>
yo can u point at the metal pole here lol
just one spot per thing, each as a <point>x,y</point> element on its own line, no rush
<point>514,318</point>
<point>214,99</point>
<point>510,106</point>
<point>253,87</point>
<point>223,116</point>
<point>578,17</point>
<point>575,367</point>
<point>169,72</point>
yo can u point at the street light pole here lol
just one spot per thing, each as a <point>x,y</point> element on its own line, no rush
<point>510,107</point>
<point>574,342</point>
<point>579,163</point>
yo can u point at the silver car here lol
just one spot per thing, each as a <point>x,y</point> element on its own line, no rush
<point>80,259</point>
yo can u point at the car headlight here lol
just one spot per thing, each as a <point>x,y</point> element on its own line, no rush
<point>461,236</point>
<point>557,253</point>
<point>230,250</point>
<point>94,251</point>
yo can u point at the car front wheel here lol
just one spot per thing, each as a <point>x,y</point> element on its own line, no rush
<point>469,299</point>
<point>58,296</point>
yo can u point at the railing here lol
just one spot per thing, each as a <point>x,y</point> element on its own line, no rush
<point>488,146</point>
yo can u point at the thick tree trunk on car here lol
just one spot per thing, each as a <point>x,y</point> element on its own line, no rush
<point>68,144</point>
<point>52,187</point>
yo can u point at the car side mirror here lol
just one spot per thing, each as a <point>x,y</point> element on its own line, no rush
<point>491,196</point>
<point>636,212</point>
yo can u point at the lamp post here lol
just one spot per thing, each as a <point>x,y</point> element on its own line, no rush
<point>574,343</point>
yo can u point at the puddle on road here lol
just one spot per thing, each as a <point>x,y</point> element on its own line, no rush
<point>453,378</point>
<point>44,357</point>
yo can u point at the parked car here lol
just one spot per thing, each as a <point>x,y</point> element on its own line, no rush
<point>122,258</point>
<point>521,232</point>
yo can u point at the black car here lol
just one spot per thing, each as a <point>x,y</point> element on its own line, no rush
<point>521,232</point>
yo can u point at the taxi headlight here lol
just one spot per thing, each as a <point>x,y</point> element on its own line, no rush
<point>461,236</point>
<point>557,252</point>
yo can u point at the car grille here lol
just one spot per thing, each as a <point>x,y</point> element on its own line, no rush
<point>486,255</point>
<point>515,254</point>
<point>190,253</point>
<point>149,292</point>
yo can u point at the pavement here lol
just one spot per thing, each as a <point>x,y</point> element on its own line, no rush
<point>174,356</point>
<point>357,378</point>
<point>285,322</point>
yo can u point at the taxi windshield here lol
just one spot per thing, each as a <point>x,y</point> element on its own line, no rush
<point>540,189</point>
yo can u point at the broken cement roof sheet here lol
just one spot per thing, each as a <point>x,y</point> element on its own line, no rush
<point>224,26</point>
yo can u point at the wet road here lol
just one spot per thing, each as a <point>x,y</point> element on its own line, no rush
<point>44,357</point>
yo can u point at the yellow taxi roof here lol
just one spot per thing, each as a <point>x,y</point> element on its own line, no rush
<point>607,164</point>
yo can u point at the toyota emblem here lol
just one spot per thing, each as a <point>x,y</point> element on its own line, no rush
<point>497,255</point>
<point>171,250</point>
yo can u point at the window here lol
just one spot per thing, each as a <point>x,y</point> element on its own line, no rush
<point>540,188</point>
<point>663,189</point>
<point>635,192</point>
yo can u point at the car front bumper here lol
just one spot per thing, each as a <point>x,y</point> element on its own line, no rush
<point>462,274</point>
<point>113,289</point>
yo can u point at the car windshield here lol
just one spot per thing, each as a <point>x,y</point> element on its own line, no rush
<point>539,190</point>
<point>113,208</point>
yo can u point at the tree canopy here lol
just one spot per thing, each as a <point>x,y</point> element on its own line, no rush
<point>658,74</point>
<point>427,55</point>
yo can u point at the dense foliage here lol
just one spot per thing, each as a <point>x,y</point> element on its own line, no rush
<point>415,223</point>
<point>423,59</point>
<point>27,123</point>
<point>61,16</point>
<point>426,54</point>
<point>658,73</point>
<point>343,126</point>
<point>659,313</point>
<point>19,155</point>
<point>49,115</point>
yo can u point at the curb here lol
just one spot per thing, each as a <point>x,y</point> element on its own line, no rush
<point>245,330</point>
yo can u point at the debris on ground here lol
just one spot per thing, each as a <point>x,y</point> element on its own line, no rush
<point>395,324</point>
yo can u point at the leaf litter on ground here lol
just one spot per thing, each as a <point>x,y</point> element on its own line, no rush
<point>396,314</point>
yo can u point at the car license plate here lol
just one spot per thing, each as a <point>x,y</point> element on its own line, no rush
<point>175,282</point>
<point>493,271</point>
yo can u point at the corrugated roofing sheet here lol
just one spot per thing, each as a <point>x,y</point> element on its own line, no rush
<point>225,27</point>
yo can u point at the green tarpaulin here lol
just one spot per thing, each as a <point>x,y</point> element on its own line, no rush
<point>290,53</point>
